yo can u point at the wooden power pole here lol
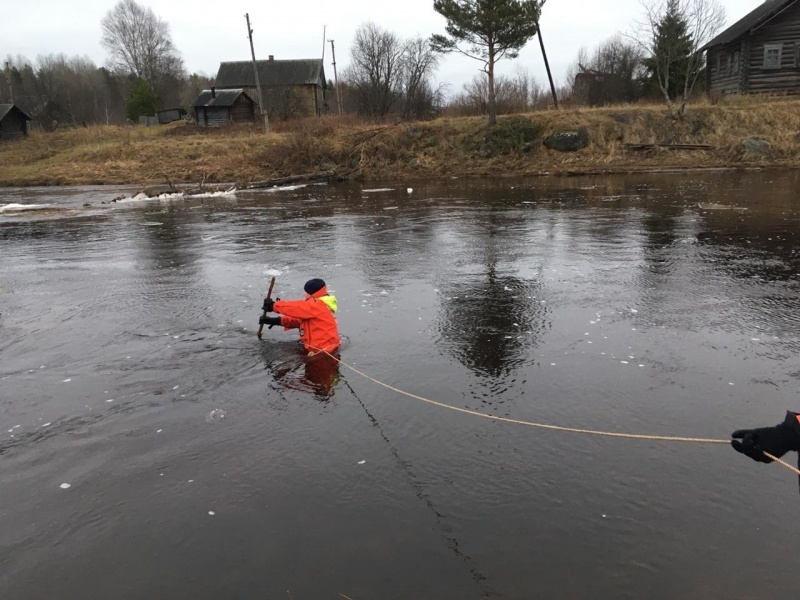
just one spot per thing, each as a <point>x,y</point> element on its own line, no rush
<point>547,64</point>
<point>11,87</point>
<point>336,79</point>
<point>255,72</point>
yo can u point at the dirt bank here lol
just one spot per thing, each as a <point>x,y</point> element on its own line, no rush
<point>183,153</point>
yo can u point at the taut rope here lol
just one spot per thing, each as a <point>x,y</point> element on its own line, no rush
<point>612,434</point>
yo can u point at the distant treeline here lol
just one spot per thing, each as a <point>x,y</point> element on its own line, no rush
<point>57,90</point>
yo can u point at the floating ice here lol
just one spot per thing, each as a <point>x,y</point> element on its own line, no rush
<point>66,381</point>
<point>375,190</point>
<point>624,362</point>
<point>65,486</point>
<point>20,207</point>
<point>272,273</point>
<point>361,462</point>
<point>390,208</point>
<point>46,425</point>
<point>159,431</point>
<point>215,415</point>
<point>211,512</point>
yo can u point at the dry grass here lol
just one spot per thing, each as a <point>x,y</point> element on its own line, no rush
<point>183,153</point>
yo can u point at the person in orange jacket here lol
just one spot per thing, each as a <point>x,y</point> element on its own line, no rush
<point>313,316</point>
<point>777,440</point>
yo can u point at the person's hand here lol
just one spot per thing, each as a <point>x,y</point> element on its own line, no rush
<point>269,304</point>
<point>271,321</point>
<point>776,440</point>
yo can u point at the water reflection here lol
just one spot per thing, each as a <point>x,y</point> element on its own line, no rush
<point>293,369</point>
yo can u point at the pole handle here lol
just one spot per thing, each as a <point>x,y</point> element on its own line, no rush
<point>269,295</point>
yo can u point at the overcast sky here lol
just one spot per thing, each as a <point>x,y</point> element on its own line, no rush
<point>207,32</point>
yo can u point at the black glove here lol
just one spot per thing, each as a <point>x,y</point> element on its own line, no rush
<point>269,321</point>
<point>269,304</point>
<point>776,440</point>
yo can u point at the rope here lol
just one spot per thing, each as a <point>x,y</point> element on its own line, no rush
<point>612,434</point>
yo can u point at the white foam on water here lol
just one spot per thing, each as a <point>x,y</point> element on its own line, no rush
<point>22,207</point>
<point>142,197</point>
<point>286,188</point>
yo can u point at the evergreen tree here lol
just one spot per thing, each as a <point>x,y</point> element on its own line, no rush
<point>671,60</point>
<point>141,101</point>
<point>490,30</point>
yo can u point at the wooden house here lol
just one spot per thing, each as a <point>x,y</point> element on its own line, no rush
<point>14,122</point>
<point>215,108</point>
<point>288,87</point>
<point>760,53</point>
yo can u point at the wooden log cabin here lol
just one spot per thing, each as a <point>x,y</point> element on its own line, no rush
<point>289,88</point>
<point>14,122</point>
<point>216,108</point>
<point>759,54</point>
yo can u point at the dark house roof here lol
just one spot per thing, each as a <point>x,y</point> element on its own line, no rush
<point>223,98</point>
<point>304,71</point>
<point>6,108</point>
<point>752,20</point>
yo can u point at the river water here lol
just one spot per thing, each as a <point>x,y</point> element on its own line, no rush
<point>203,463</point>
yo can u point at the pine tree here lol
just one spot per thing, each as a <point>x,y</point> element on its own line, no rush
<point>141,101</point>
<point>490,30</point>
<point>671,60</point>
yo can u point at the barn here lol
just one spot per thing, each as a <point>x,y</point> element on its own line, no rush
<point>760,53</point>
<point>14,122</point>
<point>289,88</point>
<point>215,108</point>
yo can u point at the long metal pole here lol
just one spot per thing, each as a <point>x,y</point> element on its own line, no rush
<point>336,79</point>
<point>547,65</point>
<point>261,106</point>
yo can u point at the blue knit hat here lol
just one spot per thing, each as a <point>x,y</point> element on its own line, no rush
<point>312,286</point>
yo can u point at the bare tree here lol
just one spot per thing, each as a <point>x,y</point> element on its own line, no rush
<point>140,43</point>
<point>612,74</point>
<point>419,62</point>
<point>670,33</point>
<point>375,73</point>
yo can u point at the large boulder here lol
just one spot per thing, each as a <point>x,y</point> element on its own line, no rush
<point>756,146</point>
<point>568,141</point>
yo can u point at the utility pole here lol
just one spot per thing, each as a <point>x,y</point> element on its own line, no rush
<point>547,64</point>
<point>336,79</point>
<point>255,72</point>
<point>10,87</point>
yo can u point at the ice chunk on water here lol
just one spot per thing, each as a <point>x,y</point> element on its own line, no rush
<point>66,381</point>
<point>65,486</point>
<point>272,273</point>
<point>361,462</point>
<point>215,415</point>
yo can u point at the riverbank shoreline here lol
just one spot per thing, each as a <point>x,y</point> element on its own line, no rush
<point>743,134</point>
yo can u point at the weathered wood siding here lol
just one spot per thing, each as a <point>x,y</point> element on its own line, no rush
<point>13,126</point>
<point>292,100</point>
<point>213,116</point>
<point>783,30</point>
<point>243,110</point>
<point>725,68</point>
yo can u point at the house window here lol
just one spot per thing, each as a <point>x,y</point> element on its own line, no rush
<point>736,62</point>
<point>797,56</point>
<point>722,64</point>
<point>772,56</point>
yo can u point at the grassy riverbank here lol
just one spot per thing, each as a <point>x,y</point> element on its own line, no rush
<point>183,153</point>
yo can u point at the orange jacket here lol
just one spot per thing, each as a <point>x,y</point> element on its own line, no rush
<point>314,318</point>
